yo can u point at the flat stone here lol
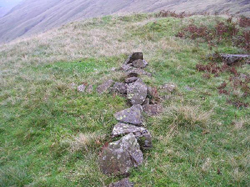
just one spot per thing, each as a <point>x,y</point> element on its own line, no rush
<point>81,88</point>
<point>131,115</point>
<point>137,92</point>
<point>140,133</point>
<point>89,89</point>
<point>120,87</point>
<point>122,183</point>
<point>231,59</point>
<point>119,156</point>
<point>104,86</point>
<point>133,57</point>
<point>131,79</point>
<point>135,72</point>
<point>152,110</point>
<point>139,63</point>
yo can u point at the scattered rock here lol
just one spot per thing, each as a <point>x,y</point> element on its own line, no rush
<point>120,87</point>
<point>81,88</point>
<point>188,88</point>
<point>169,87</point>
<point>139,63</point>
<point>139,132</point>
<point>131,115</point>
<point>104,86</point>
<point>135,72</point>
<point>133,57</point>
<point>118,157</point>
<point>89,89</point>
<point>122,183</point>
<point>231,59</point>
<point>152,110</point>
<point>137,92</point>
<point>131,79</point>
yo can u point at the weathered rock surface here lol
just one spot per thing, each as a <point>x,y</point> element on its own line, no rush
<point>133,57</point>
<point>139,132</point>
<point>104,86</point>
<point>169,87</point>
<point>234,58</point>
<point>139,63</point>
<point>126,67</point>
<point>118,157</point>
<point>122,183</point>
<point>81,88</point>
<point>131,79</point>
<point>137,92</point>
<point>152,110</point>
<point>135,72</point>
<point>131,115</point>
<point>120,87</point>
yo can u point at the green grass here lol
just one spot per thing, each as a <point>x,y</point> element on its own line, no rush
<point>196,142</point>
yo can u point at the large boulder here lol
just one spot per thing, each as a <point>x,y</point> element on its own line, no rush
<point>119,156</point>
<point>122,183</point>
<point>105,86</point>
<point>140,133</point>
<point>131,115</point>
<point>137,92</point>
<point>133,57</point>
<point>139,63</point>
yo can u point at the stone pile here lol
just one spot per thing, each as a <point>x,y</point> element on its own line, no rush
<point>118,157</point>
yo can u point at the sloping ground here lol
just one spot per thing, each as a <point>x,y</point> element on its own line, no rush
<point>51,135</point>
<point>36,16</point>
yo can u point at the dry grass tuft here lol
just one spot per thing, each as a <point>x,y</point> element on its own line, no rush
<point>188,116</point>
<point>86,141</point>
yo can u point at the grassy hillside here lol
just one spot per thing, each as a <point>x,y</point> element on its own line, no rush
<point>51,135</point>
<point>36,16</point>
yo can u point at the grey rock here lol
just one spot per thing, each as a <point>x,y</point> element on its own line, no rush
<point>131,115</point>
<point>131,79</point>
<point>231,59</point>
<point>126,67</point>
<point>81,88</point>
<point>89,89</point>
<point>169,87</point>
<point>139,63</point>
<point>137,92</point>
<point>104,86</point>
<point>122,183</point>
<point>120,87</point>
<point>135,72</point>
<point>140,133</point>
<point>118,157</point>
<point>133,57</point>
<point>152,110</point>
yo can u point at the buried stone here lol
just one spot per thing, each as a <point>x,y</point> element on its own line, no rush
<point>137,92</point>
<point>131,115</point>
<point>141,133</point>
<point>119,156</point>
<point>81,88</point>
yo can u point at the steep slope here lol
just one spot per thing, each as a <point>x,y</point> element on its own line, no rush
<point>34,16</point>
